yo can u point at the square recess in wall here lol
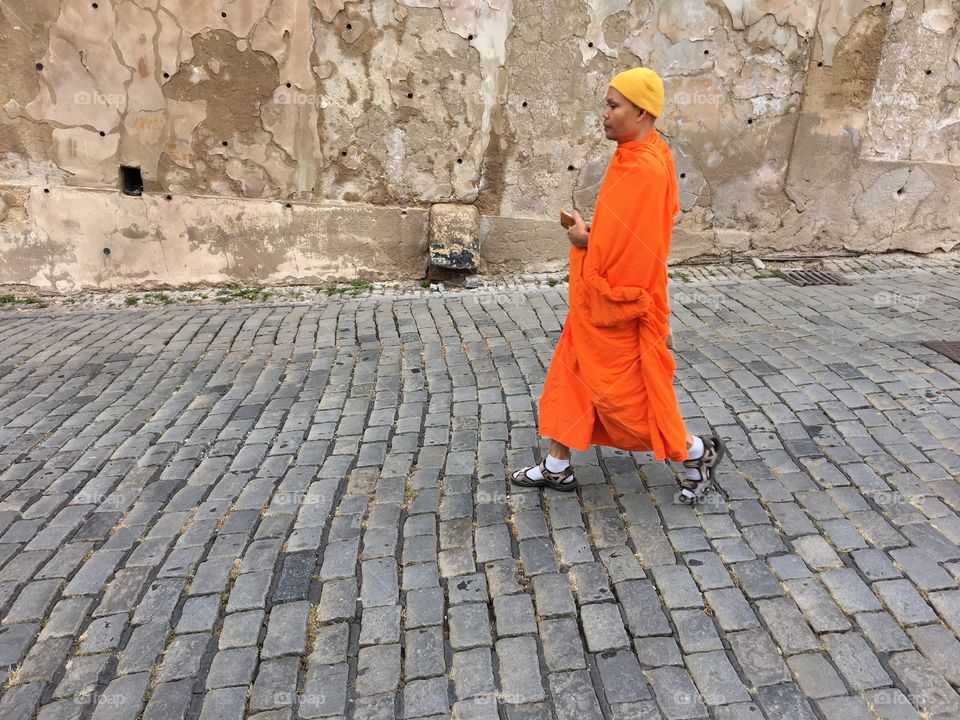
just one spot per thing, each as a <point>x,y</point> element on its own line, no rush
<point>131,181</point>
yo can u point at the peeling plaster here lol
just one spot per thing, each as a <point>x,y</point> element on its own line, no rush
<point>414,102</point>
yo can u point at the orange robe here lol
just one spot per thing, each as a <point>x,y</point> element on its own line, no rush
<point>611,378</point>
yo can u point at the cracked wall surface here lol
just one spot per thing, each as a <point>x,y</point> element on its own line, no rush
<point>802,127</point>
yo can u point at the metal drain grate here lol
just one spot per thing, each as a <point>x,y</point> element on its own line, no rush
<point>814,277</point>
<point>947,348</point>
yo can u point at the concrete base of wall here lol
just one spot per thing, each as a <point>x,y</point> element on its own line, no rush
<point>64,239</point>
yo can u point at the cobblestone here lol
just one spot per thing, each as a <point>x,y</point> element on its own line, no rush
<point>327,480</point>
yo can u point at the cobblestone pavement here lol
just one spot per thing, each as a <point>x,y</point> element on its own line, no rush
<point>301,511</point>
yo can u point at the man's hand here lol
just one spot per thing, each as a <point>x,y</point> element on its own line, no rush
<point>579,232</point>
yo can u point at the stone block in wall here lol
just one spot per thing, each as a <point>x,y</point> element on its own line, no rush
<point>454,236</point>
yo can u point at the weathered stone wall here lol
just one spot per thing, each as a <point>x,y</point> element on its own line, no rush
<point>288,140</point>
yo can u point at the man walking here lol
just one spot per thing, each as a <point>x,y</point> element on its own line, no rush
<point>610,381</point>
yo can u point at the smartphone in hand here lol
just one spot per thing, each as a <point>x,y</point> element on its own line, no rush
<point>566,219</point>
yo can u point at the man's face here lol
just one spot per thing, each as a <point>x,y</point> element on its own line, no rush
<point>621,118</point>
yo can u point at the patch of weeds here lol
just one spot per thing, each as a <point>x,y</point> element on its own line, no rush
<point>679,275</point>
<point>157,297</point>
<point>251,294</point>
<point>566,279</point>
<point>7,299</point>
<point>768,275</point>
<point>131,300</point>
<point>551,282</point>
<point>867,268</point>
<point>424,284</point>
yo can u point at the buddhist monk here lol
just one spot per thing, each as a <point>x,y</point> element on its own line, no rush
<point>610,381</point>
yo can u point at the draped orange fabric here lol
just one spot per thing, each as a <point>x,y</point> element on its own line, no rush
<point>611,378</point>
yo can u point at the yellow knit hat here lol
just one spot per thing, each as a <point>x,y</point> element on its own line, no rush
<point>641,86</point>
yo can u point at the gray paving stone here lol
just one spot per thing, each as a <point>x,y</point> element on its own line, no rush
<point>940,647</point>
<point>696,631</point>
<point>603,627</point>
<point>573,696</point>
<point>855,661</point>
<point>423,653</point>
<point>676,694</point>
<point>816,676</point>
<point>378,669</point>
<point>276,685</point>
<point>904,602</point>
<point>818,609</point>
<point>514,615</point>
<point>562,647</point>
<point>472,673</point>
<point>234,666</point>
<point>621,677</point>
<point>644,613</point>
<point>169,701</point>
<point>784,701</point>
<point>224,704</point>
<point>469,626</point>
<point>716,679</point>
<point>286,630</point>
<point>241,629</point>
<point>932,695</point>
<point>518,684</point>
<point>324,692</point>
<point>424,607</point>
<point>731,609</point>
<point>425,698</point>
<point>15,640</point>
<point>758,657</point>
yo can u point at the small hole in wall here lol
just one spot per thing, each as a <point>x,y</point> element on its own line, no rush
<point>524,103</point>
<point>459,161</point>
<point>39,66</point>
<point>287,205</point>
<point>106,251</point>
<point>223,14</point>
<point>102,134</point>
<point>706,52</point>
<point>403,213</point>
<point>343,153</point>
<point>682,175</point>
<point>94,5</point>
<point>409,95</point>
<point>225,143</point>
<point>589,44</point>
<point>900,191</point>
<point>819,63</point>
<point>928,72</point>
<point>46,191</point>
<point>749,121</point>
<point>168,198</point>
<point>131,181</point>
<point>469,37</point>
<point>289,85</point>
<point>570,167</point>
<point>166,76</point>
<point>349,26</point>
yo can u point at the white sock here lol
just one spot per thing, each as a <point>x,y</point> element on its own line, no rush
<point>555,465</point>
<point>696,451</point>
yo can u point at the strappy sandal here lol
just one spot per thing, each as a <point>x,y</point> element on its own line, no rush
<point>564,481</point>
<point>706,465</point>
